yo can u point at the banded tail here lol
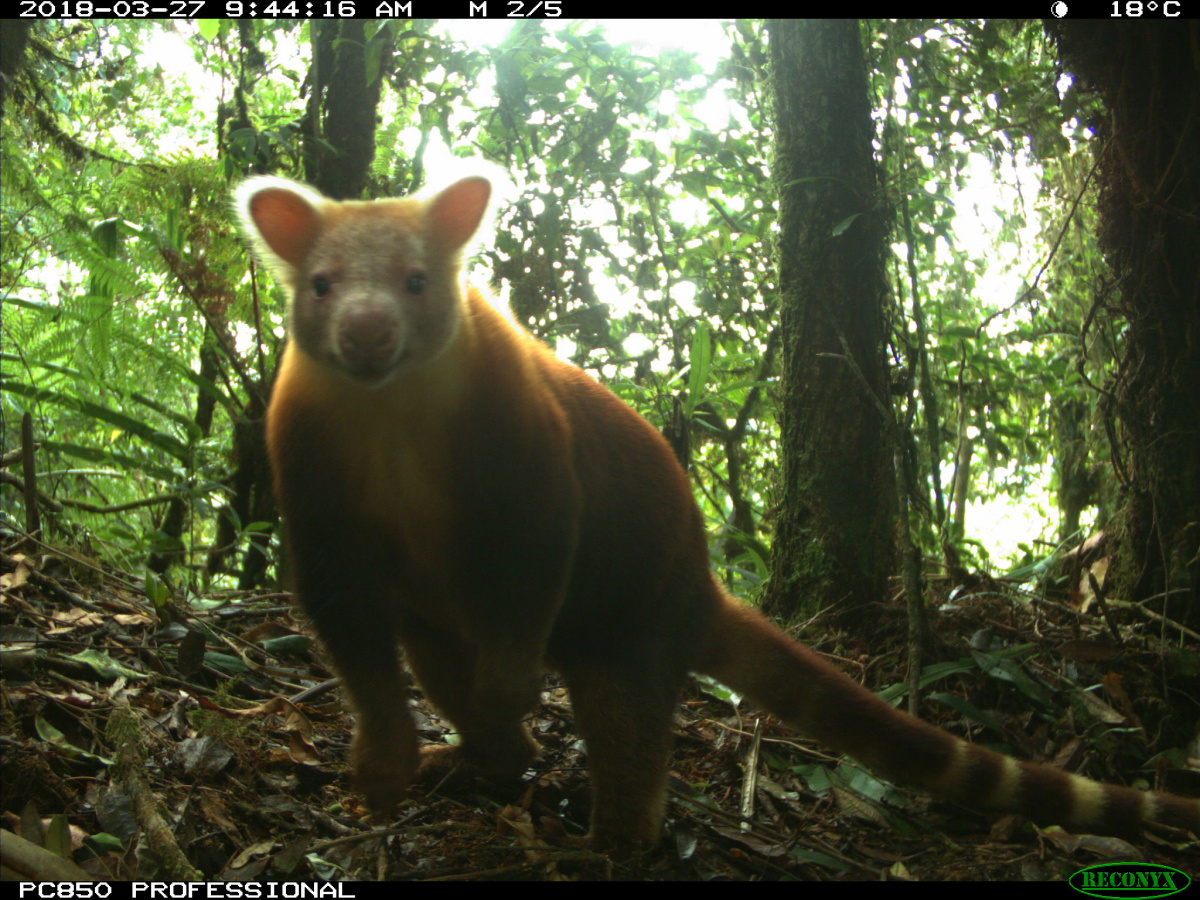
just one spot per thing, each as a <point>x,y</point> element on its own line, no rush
<point>756,659</point>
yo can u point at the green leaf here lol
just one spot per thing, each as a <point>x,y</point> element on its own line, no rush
<point>841,226</point>
<point>225,664</point>
<point>104,843</point>
<point>714,688</point>
<point>969,710</point>
<point>58,837</point>
<point>58,740</point>
<point>127,423</point>
<point>1011,671</point>
<point>208,28</point>
<point>701,361</point>
<point>105,666</point>
<point>288,645</point>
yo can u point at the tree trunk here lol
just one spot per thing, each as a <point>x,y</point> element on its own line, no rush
<point>344,105</point>
<point>834,534</point>
<point>1149,176</point>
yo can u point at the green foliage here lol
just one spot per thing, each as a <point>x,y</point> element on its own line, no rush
<point>999,364</point>
<point>639,245</point>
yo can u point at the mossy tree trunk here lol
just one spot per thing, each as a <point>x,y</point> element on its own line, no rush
<point>835,529</point>
<point>1149,176</point>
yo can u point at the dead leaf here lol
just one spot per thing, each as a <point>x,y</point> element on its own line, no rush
<point>1115,688</point>
<point>17,577</point>
<point>302,751</point>
<point>750,842</point>
<point>133,619</point>
<point>76,617</point>
<point>203,754</point>
<point>900,872</point>
<point>262,848</point>
<point>852,805</point>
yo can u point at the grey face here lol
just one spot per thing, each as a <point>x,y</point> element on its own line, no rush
<point>373,299</point>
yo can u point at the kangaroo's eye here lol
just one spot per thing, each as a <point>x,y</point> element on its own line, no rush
<point>321,286</point>
<point>415,284</point>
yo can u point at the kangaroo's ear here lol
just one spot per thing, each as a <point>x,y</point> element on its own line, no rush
<point>455,213</point>
<point>281,219</point>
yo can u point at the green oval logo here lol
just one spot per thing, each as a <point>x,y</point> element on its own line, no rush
<point>1127,880</point>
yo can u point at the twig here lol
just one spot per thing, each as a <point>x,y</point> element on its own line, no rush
<point>147,808</point>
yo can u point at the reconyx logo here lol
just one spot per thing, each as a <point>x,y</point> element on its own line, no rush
<point>1129,880</point>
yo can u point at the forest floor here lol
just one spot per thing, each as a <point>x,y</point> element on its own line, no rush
<point>150,740</point>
